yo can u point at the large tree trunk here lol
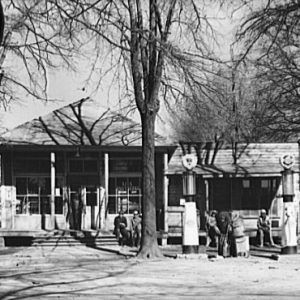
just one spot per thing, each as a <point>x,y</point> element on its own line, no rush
<point>2,22</point>
<point>149,248</point>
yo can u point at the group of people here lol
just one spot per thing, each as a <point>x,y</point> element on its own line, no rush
<point>222,228</point>
<point>128,233</point>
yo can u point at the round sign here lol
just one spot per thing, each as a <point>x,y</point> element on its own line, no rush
<point>189,161</point>
<point>287,161</point>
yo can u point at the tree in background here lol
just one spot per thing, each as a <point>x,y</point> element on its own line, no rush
<point>229,112</point>
<point>33,42</point>
<point>270,35</point>
<point>256,96</point>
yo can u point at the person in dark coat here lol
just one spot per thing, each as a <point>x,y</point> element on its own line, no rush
<point>212,229</point>
<point>225,243</point>
<point>120,228</point>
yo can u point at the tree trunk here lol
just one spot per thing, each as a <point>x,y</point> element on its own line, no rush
<point>149,246</point>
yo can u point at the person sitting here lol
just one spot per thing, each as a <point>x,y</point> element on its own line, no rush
<point>263,228</point>
<point>136,229</point>
<point>212,230</point>
<point>120,228</point>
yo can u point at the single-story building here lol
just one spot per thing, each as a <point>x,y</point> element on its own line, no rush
<point>245,178</point>
<point>81,163</point>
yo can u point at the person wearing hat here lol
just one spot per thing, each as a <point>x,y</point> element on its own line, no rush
<point>120,230</point>
<point>263,228</point>
<point>136,229</point>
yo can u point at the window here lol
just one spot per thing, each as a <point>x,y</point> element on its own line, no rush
<point>34,194</point>
<point>125,194</point>
<point>246,183</point>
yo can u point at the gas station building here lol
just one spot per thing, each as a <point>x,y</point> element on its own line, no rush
<point>86,159</point>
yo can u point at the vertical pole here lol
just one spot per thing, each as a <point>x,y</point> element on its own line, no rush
<point>206,195</point>
<point>166,185</point>
<point>83,212</point>
<point>106,181</point>
<point>166,190</point>
<point>52,200</point>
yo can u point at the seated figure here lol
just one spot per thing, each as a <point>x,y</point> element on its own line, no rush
<point>263,228</point>
<point>120,230</point>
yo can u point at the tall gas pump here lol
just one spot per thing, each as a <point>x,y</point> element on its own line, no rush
<point>289,234</point>
<point>190,239</point>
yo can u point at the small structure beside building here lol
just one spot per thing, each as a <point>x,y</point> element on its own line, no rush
<point>245,179</point>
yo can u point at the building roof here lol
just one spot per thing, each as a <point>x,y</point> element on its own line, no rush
<point>84,122</point>
<point>254,159</point>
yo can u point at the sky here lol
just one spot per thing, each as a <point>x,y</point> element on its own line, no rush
<point>67,87</point>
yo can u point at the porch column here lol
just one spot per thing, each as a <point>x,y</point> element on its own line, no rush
<point>105,196</point>
<point>166,198</point>
<point>52,200</point>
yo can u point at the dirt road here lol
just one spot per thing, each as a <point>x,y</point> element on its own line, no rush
<point>86,273</point>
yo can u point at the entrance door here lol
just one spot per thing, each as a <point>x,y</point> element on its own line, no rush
<point>85,207</point>
<point>76,205</point>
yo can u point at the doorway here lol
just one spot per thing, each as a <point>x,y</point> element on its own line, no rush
<point>84,203</point>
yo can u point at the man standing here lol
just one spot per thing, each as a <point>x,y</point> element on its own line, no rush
<point>120,229</point>
<point>136,229</point>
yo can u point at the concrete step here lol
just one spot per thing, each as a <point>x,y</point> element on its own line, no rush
<point>74,240</point>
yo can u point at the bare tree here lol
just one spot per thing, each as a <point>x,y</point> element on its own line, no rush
<point>33,42</point>
<point>154,49</point>
<point>151,50</point>
<point>270,35</point>
<point>229,112</point>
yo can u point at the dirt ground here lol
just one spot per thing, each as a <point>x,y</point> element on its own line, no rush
<point>87,273</point>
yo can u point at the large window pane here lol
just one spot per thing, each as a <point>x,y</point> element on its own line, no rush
<point>125,194</point>
<point>33,205</point>
<point>45,186</point>
<point>33,185</point>
<point>21,183</point>
<point>45,205</point>
<point>22,206</point>
<point>134,204</point>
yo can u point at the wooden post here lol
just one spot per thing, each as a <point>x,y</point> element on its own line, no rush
<point>52,200</point>
<point>106,182</point>
<point>166,194</point>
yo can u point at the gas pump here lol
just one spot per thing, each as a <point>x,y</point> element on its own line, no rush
<point>190,240</point>
<point>289,234</point>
